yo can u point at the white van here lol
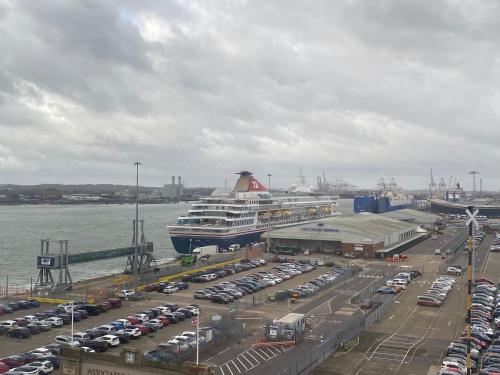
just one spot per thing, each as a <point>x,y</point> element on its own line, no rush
<point>403,275</point>
<point>234,247</point>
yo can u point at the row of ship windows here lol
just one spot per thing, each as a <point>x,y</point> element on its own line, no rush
<point>242,222</point>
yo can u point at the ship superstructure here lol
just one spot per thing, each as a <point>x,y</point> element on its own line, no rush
<point>389,197</point>
<point>241,216</point>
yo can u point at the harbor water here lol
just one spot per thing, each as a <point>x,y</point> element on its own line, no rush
<point>87,227</point>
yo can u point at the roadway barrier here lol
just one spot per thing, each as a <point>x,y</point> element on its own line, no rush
<point>57,301</point>
<point>190,272</point>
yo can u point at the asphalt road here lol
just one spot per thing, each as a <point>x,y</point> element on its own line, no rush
<point>412,339</point>
<point>241,358</point>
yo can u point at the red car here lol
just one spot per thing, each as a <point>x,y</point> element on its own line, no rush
<point>21,322</point>
<point>13,361</point>
<point>115,302</point>
<point>103,307</point>
<point>144,329</point>
<point>484,280</point>
<point>164,320</point>
<point>151,288</point>
<point>3,368</point>
<point>133,320</point>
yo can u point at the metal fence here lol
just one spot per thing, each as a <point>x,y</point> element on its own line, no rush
<point>310,359</point>
<point>369,291</point>
<point>374,316</point>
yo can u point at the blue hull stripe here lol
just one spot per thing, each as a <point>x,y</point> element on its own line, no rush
<point>186,244</point>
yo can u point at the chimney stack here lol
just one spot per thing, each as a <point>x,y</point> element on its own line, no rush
<point>179,180</point>
<point>173,180</point>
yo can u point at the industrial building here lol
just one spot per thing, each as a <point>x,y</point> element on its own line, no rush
<point>369,236</point>
<point>173,190</point>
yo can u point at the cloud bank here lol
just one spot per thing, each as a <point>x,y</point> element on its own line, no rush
<point>203,89</point>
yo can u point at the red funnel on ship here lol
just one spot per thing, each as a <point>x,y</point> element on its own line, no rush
<point>247,183</point>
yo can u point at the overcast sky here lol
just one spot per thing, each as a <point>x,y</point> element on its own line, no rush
<point>359,89</point>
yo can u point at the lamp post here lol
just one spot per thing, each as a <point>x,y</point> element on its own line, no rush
<point>136,227</point>
<point>72,321</point>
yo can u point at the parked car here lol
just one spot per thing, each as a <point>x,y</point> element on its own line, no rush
<point>13,361</point>
<point>25,370</point>
<point>387,290</point>
<point>454,270</point>
<point>3,367</point>
<point>126,293</point>
<point>19,333</point>
<point>170,289</point>
<point>44,367</point>
<point>112,340</point>
<point>98,345</point>
<point>66,341</point>
<point>115,302</point>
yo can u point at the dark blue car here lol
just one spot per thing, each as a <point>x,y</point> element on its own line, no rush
<point>387,290</point>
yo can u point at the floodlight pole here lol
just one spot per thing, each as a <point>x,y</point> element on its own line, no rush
<point>136,228</point>
<point>470,242</point>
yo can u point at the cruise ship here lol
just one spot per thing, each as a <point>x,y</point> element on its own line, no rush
<point>240,216</point>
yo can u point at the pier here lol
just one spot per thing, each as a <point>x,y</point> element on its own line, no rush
<point>89,256</point>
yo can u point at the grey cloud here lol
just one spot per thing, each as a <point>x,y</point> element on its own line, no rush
<point>362,89</point>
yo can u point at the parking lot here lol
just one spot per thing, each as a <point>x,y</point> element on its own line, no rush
<point>10,346</point>
<point>413,339</point>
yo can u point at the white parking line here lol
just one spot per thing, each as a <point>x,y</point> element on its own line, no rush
<point>255,359</point>
<point>260,355</point>
<point>243,356</point>
<point>239,360</point>
<point>270,352</point>
<point>261,350</point>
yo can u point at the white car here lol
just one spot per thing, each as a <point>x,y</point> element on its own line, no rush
<point>9,323</point>
<point>81,336</point>
<point>170,289</point>
<point>142,317</point>
<point>86,349</point>
<point>25,370</point>
<point>112,340</point>
<point>66,340</point>
<point>164,309</point>
<point>455,367</point>
<point>41,353</point>
<point>133,332</point>
<point>31,318</point>
<point>124,293</point>
<point>455,270</point>
<point>44,367</point>
<point>192,335</point>
<point>181,344</point>
<point>54,321</point>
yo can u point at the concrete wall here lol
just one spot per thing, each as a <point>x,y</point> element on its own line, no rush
<point>76,363</point>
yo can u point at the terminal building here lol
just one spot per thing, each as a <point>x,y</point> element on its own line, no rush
<point>369,236</point>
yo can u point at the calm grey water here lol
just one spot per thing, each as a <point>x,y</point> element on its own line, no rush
<point>87,227</point>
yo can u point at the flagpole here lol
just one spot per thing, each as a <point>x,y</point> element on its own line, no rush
<point>198,338</point>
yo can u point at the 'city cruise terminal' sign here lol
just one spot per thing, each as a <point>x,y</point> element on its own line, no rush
<point>98,371</point>
<point>316,229</point>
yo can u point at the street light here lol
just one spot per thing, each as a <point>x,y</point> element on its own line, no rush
<point>136,227</point>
